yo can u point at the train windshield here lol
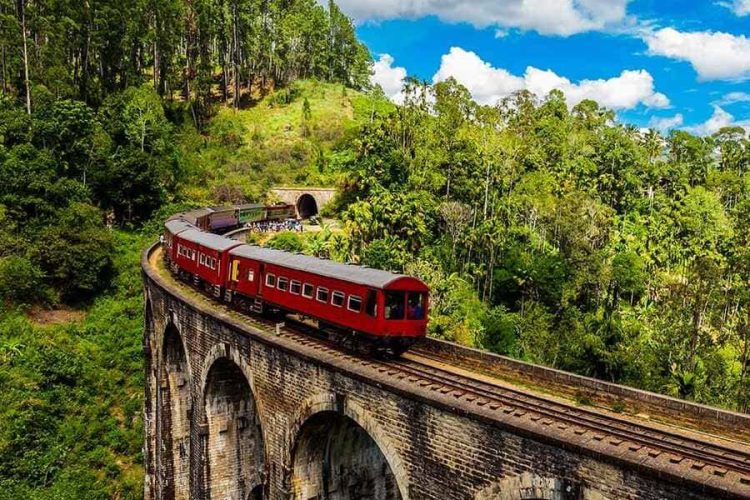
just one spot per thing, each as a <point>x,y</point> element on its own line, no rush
<point>405,305</point>
<point>415,305</point>
<point>394,305</point>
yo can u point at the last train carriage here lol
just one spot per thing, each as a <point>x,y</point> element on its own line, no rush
<point>379,309</point>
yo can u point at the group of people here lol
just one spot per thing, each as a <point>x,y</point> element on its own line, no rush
<point>275,226</point>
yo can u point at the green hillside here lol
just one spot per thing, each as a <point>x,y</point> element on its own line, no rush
<point>288,138</point>
<point>71,422</point>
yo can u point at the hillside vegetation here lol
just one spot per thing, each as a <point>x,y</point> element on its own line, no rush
<point>290,137</point>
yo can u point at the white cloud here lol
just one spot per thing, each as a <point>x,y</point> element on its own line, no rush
<point>550,17</point>
<point>739,7</point>
<point>488,84</point>
<point>666,123</point>
<point>718,120</point>
<point>389,77</point>
<point>733,97</point>
<point>714,55</point>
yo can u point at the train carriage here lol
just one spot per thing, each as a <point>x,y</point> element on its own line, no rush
<point>222,219</point>
<point>204,256</point>
<point>199,218</point>
<point>388,308</point>
<point>254,212</point>
<point>172,228</point>
<point>280,212</point>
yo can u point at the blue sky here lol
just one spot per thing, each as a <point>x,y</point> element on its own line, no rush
<point>666,63</point>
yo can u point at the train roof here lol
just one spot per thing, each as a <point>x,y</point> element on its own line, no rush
<point>209,240</point>
<point>361,275</point>
<point>175,226</point>
<point>250,206</point>
<point>222,209</point>
<point>192,216</point>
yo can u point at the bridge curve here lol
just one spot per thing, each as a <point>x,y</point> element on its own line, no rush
<point>436,437</point>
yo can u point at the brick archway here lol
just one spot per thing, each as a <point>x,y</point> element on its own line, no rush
<point>529,486</point>
<point>341,411</point>
<point>175,409</point>
<point>232,434</point>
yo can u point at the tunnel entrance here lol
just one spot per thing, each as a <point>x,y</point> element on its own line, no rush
<point>334,458</point>
<point>175,421</point>
<point>307,206</point>
<point>234,447</point>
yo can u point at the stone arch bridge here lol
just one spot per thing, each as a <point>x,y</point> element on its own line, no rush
<point>238,410</point>
<point>308,201</point>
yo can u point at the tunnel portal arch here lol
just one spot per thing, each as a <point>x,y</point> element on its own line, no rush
<point>307,206</point>
<point>335,458</point>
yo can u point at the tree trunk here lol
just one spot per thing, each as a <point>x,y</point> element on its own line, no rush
<point>4,75</point>
<point>236,55</point>
<point>26,83</point>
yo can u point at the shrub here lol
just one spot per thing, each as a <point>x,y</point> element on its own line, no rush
<point>20,280</point>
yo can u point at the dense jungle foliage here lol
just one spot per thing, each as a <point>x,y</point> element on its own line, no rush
<point>556,235</point>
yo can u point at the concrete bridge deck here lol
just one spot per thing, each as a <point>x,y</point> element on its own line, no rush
<point>652,447</point>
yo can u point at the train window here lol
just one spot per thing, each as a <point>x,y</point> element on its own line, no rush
<point>355,303</point>
<point>282,284</point>
<point>372,303</point>
<point>295,287</point>
<point>307,290</point>
<point>394,305</point>
<point>270,280</point>
<point>337,299</point>
<point>415,306</point>
<point>322,294</point>
<point>251,275</point>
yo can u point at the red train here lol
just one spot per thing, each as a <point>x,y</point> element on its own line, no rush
<point>382,310</point>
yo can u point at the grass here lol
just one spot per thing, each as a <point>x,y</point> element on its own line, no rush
<point>272,143</point>
<point>71,422</point>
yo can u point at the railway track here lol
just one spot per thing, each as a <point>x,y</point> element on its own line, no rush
<point>433,374</point>
<point>607,426</point>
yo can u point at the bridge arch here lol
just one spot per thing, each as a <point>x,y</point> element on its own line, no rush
<point>234,446</point>
<point>338,450</point>
<point>175,415</point>
<point>530,486</point>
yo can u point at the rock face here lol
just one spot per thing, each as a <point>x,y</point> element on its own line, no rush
<point>233,412</point>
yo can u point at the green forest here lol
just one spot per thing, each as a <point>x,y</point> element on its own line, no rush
<point>552,234</point>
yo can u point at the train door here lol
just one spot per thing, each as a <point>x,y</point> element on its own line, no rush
<point>261,279</point>
<point>234,274</point>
